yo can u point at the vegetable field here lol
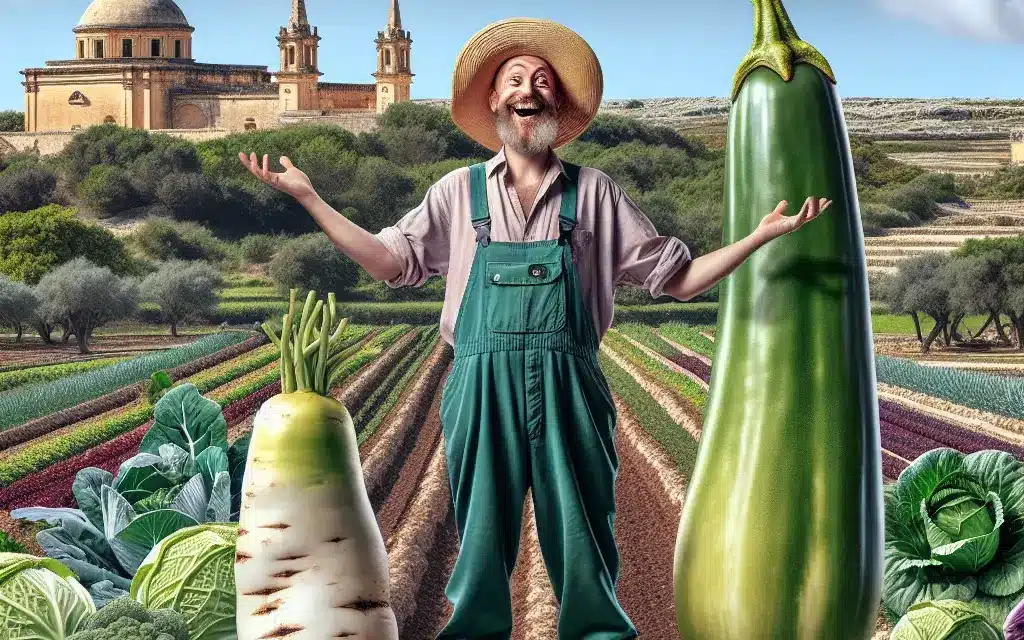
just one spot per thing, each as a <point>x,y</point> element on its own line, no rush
<point>57,422</point>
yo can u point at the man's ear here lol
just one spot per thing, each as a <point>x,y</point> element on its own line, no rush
<point>492,100</point>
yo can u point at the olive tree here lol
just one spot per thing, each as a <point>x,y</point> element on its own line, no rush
<point>17,304</point>
<point>182,289</point>
<point>86,296</point>
<point>922,286</point>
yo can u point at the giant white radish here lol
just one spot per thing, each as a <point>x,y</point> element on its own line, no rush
<point>311,563</point>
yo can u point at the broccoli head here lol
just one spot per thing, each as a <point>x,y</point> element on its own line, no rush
<point>126,619</point>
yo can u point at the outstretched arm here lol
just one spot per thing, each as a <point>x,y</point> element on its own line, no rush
<point>357,243</point>
<point>704,272</point>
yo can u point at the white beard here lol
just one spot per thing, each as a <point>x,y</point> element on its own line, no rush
<point>545,130</point>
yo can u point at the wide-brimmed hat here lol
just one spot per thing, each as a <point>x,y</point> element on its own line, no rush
<point>574,62</point>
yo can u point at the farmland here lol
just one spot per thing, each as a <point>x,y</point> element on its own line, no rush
<point>391,385</point>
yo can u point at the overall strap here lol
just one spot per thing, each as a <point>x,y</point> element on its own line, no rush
<point>480,214</point>
<point>567,211</point>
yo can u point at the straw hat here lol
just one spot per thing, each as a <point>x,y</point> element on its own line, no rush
<point>574,62</point>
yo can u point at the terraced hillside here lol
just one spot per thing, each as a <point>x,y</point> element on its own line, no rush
<point>884,253</point>
<point>391,385</point>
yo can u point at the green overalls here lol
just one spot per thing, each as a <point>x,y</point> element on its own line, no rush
<point>526,405</point>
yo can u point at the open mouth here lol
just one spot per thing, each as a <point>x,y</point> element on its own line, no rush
<point>526,112</point>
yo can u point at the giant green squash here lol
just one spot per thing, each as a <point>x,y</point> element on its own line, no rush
<point>782,531</point>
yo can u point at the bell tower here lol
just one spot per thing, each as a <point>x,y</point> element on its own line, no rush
<point>394,73</point>
<point>299,72</point>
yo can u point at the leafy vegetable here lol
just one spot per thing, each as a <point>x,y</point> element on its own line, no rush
<point>180,478</point>
<point>944,620</point>
<point>126,619</point>
<point>1013,626</point>
<point>193,572</point>
<point>40,598</point>
<point>955,531</point>
<point>159,383</point>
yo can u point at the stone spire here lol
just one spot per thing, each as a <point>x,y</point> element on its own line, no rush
<point>394,17</point>
<point>298,22</point>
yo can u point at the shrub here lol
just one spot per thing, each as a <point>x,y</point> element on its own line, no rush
<point>612,130</point>
<point>189,196</point>
<point>162,239</point>
<point>413,145</point>
<point>876,214</point>
<point>23,188</point>
<point>312,262</point>
<point>33,242</point>
<point>259,248</point>
<point>12,120</point>
<point>182,290</point>
<point>107,189</point>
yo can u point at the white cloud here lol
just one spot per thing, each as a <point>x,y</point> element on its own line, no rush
<point>992,20</point>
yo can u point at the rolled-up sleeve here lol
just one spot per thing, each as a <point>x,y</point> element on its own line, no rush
<point>644,258</point>
<point>420,240</point>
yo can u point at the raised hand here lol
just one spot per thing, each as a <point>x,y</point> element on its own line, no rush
<point>776,223</point>
<point>291,181</point>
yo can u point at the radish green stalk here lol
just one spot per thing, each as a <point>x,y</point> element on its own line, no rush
<point>310,559</point>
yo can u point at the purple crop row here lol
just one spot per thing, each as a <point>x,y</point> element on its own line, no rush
<point>941,431</point>
<point>116,399</point>
<point>892,466</point>
<point>904,432</point>
<point>241,409</point>
<point>51,487</point>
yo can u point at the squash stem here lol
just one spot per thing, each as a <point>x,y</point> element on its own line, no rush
<point>777,46</point>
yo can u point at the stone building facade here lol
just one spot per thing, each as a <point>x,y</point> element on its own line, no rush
<point>134,66</point>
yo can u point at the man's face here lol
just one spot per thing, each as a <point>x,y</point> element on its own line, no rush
<point>524,101</point>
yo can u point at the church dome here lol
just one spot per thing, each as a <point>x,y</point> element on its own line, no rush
<point>133,14</point>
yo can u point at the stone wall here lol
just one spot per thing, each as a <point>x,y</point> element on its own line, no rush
<point>230,112</point>
<point>50,142</point>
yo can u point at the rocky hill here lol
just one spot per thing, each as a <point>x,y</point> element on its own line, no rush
<point>880,118</point>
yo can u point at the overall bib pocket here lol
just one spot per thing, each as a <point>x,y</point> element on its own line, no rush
<point>525,297</point>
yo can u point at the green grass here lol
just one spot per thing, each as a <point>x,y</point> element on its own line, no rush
<point>904,324</point>
<point>252,293</point>
<point>653,418</point>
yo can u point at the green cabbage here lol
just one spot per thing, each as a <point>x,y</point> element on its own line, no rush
<point>40,599</point>
<point>193,572</point>
<point>954,530</point>
<point>944,620</point>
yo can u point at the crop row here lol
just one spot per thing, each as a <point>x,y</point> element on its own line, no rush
<point>674,380</point>
<point>377,406</point>
<point>904,432</point>
<point>653,417</point>
<point>47,452</point>
<point>689,336</point>
<point>1002,395</point>
<point>26,403</point>
<point>51,486</point>
<point>46,373</point>
<point>645,336</point>
<point>117,399</point>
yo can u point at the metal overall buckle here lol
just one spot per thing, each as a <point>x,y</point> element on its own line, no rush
<point>565,227</point>
<point>483,233</point>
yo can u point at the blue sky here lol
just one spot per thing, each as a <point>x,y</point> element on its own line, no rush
<point>647,48</point>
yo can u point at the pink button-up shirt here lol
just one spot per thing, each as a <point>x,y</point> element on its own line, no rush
<point>613,243</point>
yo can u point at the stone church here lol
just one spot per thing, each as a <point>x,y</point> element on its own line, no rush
<point>134,66</point>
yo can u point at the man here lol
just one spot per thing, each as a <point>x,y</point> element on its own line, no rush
<point>533,249</point>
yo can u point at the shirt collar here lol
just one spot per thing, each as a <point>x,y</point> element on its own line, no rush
<point>498,160</point>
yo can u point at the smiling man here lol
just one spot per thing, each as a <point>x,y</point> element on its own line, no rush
<point>533,249</point>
